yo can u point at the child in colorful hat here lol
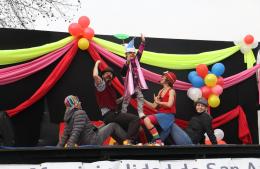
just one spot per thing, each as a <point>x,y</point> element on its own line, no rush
<point>134,79</point>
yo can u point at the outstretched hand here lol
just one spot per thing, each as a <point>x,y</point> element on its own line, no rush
<point>98,61</point>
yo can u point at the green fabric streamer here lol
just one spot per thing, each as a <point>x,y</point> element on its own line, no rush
<point>172,61</point>
<point>20,55</point>
<point>249,59</point>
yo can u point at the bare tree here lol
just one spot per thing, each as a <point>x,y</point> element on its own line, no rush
<point>23,13</point>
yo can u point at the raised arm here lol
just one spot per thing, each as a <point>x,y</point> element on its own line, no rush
<point>96,77</point>
<point>141,48</point>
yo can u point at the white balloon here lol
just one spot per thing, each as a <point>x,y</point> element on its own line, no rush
<point>219,134</point>
<point>254,45</point>
<point>194,93</point>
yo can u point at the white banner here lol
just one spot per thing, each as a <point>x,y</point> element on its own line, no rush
<point>224,163</point>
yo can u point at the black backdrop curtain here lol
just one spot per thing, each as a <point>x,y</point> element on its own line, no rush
<point>78,81</point>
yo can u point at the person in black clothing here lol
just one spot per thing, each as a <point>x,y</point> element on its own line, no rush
<point>198,125</point>
<point>80,131</point>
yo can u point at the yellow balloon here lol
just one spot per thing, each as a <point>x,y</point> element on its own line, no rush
<point>213,101</point>
<point>210,80</point>
<point>83,44</point>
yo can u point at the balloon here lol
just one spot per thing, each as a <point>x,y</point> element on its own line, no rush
<point>249,39</point>
<point>206,91</point>
<point>192,74</point>
<point>219,134</point>
<point>217,90</point>
<point>213,101</point>
<point>88,33</point>
<point>194,93</point>
<point>220,81</point>
<point>197,81</point>
<point>202,70</point>
<point>218,69</point>
<point>210,80</point>
<point>84,21</point>
<point>83,44</point>
<point>75,29</point>
<point>208,142</point>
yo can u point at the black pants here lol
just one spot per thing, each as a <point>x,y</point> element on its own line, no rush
<point>127,121</point>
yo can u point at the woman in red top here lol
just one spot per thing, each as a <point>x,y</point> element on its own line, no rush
<point>165,105</point>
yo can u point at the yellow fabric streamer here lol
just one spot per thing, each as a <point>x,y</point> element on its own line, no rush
<point>172,61</point>
<point>20,55</point>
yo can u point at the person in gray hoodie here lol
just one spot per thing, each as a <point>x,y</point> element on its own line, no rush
<point>80,131</point>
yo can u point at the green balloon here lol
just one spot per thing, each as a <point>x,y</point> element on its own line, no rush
<point>121,36</point>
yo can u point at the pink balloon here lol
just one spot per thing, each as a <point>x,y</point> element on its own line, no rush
<point>84,21</point>
<point>75,29</point>
<point>88,33</point>
<point>217,90</point>
<point>220,81</point>
<point>206,91</point>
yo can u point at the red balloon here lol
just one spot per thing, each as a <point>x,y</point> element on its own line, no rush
<point>208,142</point>
<point>75,29</point>
<point>220,81</point>
<point>88,33</point>
<point>84,21</point>
<point>249,39</point>
<point>206,91</point>
<point>202,70</point>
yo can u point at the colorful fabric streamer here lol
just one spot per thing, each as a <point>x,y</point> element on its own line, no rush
<point>18,72</point>
<point>172,61</point>
<point>20,55</point>
<point>49,82</point>
<point>179,85</point>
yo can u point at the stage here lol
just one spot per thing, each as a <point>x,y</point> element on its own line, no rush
<point>36,155</point>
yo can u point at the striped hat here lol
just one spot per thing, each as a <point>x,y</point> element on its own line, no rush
<point>71,101</point>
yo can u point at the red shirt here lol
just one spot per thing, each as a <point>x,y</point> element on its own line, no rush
<point>165,98</point>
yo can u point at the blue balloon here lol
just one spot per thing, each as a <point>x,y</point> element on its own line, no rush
<point>197,81</point>
<point>192,74</point>
<point>218,69</point>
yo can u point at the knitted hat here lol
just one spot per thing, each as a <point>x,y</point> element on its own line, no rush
<point>130,47</point>
<point>71,101</point>
<point>170,76</point>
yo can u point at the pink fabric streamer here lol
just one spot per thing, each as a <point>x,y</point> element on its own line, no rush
<point>17,72</point>
<point>153,77</point>
<point>180,85</point>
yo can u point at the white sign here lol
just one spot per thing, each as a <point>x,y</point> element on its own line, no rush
<point>224,163</point>
<point>139,164</point>
<point>63,165</point>
<point>102,165</point>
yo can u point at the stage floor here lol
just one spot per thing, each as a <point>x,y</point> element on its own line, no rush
<point>36,155</point>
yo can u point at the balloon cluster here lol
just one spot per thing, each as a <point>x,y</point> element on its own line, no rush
<point>207,84</point>
<point>248,43</point>
<point>82,31</point>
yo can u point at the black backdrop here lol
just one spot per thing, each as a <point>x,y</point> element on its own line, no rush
<point>77,80</point>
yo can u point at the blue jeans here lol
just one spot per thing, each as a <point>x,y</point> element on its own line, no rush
<point>179,136</point>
